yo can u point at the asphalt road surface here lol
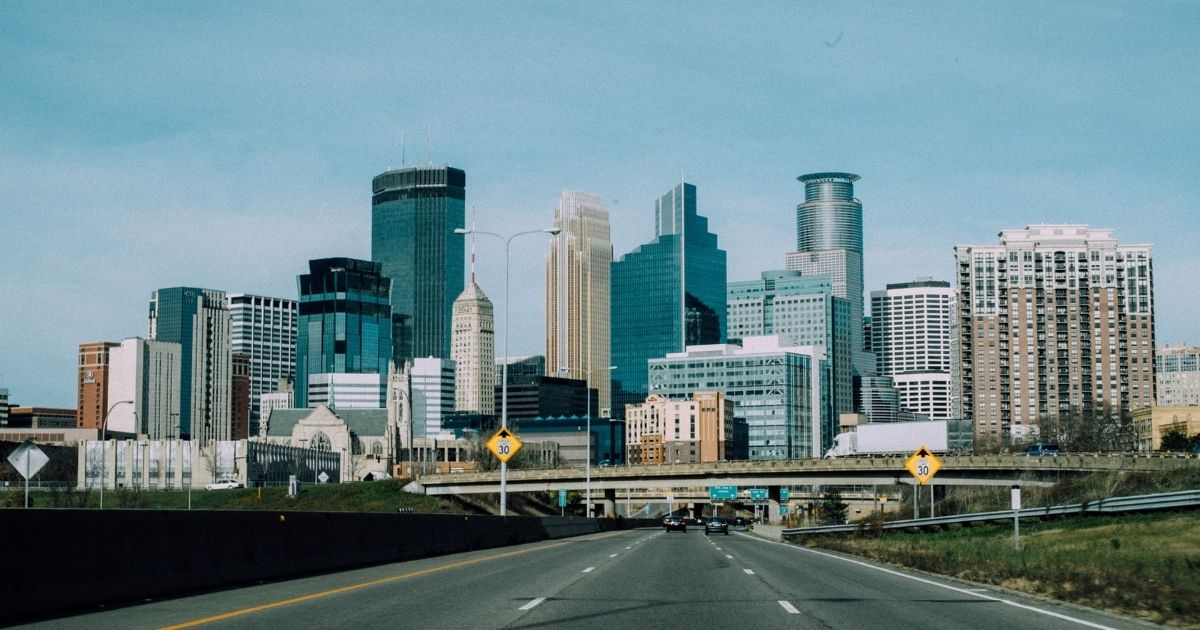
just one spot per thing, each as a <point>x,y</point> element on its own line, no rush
<point>641,579</point>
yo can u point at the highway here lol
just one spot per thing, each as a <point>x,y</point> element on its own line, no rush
<point>640,579</point>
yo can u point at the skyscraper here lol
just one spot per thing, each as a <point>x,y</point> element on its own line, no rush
<point>345,323</point>
<point>263,328</point>
<point>806,310</point>
<point>198,320</point>
<point>829,241</point>
<point>1054,318</point>
<point>474,351</point>
<point>414,212</point>
<point>432,390</point>
<point>912,324</point>
<point>666,295</point>
<point>578,309</point>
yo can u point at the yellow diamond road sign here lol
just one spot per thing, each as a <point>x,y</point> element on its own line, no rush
<point>923,465</point>
<point>504,445</point>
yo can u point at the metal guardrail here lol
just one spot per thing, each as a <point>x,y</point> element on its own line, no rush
<point>1138,503</point>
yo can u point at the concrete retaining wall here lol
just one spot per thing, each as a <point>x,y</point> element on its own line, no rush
<point>59,561</point>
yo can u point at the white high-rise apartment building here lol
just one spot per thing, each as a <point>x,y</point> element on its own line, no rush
<point>912,326</point>
<point>263,328</point>
<point>1177,369</point>
<point>578,270</point>
<point>473,349</point>
<point>149,373</point>
<point>431,386</point>
<point>1054,318</point>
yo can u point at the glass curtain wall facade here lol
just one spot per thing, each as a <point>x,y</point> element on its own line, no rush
<point>806,311</point>
<point>777,389</point>
<point>666,295</point>
<point>345,321</point>
<point>829,240</point>
<point>198,320</point>
<point>414,212</point>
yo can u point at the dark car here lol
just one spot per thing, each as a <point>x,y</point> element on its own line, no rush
<point>675,522</point>
<point>740,523</point>
<point>716,525</point>
<point>1037,450</point>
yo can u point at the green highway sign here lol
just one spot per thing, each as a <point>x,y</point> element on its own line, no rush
<point>758,494</point>
<point>722,493</point>
<point>785,493</point>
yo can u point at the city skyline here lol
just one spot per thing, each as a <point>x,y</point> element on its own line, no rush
<point>154,146</point>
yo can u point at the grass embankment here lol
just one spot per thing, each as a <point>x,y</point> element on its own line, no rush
<point>369,496</point>
<point>1141,565</point>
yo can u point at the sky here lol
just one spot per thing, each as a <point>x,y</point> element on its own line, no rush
<point>222,145</point>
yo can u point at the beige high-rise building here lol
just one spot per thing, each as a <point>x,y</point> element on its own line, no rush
<point>1054,318</point>
<point>473,349</point>
<point>698,429</point>
<point>578,329</point>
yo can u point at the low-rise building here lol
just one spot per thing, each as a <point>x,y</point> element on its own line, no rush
<point>1153,422</point>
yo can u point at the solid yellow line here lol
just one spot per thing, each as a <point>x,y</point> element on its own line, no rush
<point>354,587</point>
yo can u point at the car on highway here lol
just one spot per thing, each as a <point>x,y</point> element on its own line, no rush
<point>672,523</point>
<point>224,484</point>
<point>716,525</point>
<point>1038,450</point>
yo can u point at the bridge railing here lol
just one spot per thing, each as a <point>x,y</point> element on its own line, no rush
<point>1138,503</point>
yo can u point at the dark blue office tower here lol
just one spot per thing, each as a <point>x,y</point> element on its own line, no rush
<point>666,295</point>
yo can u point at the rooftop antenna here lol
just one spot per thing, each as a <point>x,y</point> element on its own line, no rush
<point>403,147</point>
<point>429,144</point>
<point>473,243</point>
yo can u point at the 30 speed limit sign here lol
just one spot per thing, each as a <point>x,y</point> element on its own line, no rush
<point>504,444</point>
<point>923,465</point>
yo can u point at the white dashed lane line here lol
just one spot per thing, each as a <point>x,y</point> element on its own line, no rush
<point>729,556</point>
<point>748,571</point>
<point>533,603</point>
<point>789,607</point>
<point>612,555</point>
<point>589,569</point>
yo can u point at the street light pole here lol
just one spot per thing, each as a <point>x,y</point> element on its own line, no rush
<point>587,501</point>
<point>104,448</point>
<point>504,369</point>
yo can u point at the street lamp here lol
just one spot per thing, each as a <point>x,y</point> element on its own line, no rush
<point>103,448</point>
<point>587,501</point>
<point>504,378</point>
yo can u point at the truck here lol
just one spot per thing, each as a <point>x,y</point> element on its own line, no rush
<point>891,438</point>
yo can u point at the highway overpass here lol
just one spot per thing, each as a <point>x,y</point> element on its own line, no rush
<point>612,483</point>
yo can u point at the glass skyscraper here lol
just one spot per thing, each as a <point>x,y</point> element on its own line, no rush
<point>806,310</point>
<point>414,212</point>
<point>829,241</point>
<point>666,295</point>
<point>345,321</point>
<point>198,320</point>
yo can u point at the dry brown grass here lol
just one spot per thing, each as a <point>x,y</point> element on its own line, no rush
<point>1147,566</point>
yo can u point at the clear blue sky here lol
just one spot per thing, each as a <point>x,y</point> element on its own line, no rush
<point>224,144</point>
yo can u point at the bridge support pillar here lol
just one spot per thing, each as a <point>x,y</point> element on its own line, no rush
<point>698,510</point>
<point>610,503</point>
<point>773,498</point>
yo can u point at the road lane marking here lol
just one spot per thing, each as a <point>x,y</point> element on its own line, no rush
<point>532,603</point>
<point>612,555</point>
<point>627,548</point>
<point>589,569</point>
<point>718,548</point>
<point>355,587</point>
<point>965,591</point>
<point>788,607</point>
<point>729,556</point>
<point>748,571</point>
